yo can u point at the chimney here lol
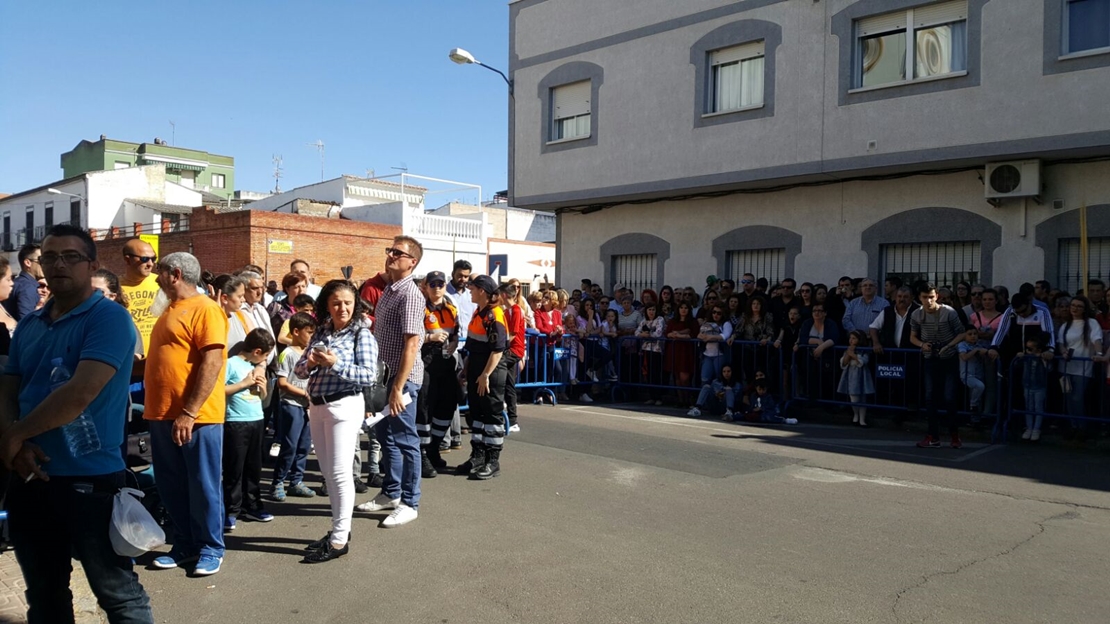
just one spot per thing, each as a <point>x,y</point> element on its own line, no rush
<point>103,136</point>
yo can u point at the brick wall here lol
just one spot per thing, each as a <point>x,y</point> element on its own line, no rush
<point>224,242</point>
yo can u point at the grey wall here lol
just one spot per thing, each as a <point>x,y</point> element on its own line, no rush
<point>645,143</point>
<point>629,244</point>
<point>1066,225</point>
<point>757,237</point>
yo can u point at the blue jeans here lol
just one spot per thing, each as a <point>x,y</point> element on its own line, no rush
<point>1034,402</point>
<point>710,390</point>
<point>941,377</point>
<point>401,451</point>
<point>189,483</point>
<point>52,521</point>
<point>711,367</point>
<point>296,442</point>
<point>1076,401</point>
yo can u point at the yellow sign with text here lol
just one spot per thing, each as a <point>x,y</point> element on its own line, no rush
<point>281,246</point>
<point>150,239</point>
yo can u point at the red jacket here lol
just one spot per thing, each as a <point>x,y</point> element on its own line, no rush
<point>549,323</point>
<point>515,321</point>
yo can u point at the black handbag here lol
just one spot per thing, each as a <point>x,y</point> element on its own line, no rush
<point>376,395</point>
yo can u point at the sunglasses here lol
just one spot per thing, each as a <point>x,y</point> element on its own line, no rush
<point>747,281</point>
<point>143,259</point>
<point>397,253</point>
<point>436,284</point>
<point>68,257</point>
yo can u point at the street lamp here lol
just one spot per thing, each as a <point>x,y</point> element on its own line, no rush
<point>54,191</point>
<point>462,57</point>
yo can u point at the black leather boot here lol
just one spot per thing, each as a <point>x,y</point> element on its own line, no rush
<point>432,451</point>
<point>427,470</point>
<point>477,458</point>
<point>491,468</point>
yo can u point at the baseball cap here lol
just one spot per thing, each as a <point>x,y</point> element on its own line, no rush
<point>484,282</point>
<point>712,279</point>
<point>435,276</point>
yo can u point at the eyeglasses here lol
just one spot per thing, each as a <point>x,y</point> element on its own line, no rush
<point>43,285</point>
<point>747,281</point>
<point>142,259</point>
<point>69,257</point>
<point>976,293</point>
<point>436,284</point>
<point>397,253</point>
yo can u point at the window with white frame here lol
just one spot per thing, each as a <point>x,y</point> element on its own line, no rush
<point>218,180</point>
<point>1070,276</point>
<point>570,111</point>
<point>768,263</point>
<point>635,271</point>
<point>921,43</point>
<point>1086,25</point>
<point>736,77</point>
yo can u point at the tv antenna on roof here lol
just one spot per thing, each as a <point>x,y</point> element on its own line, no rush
<point>319,145</point>
<point>277,173</point>
<point>173,133</point>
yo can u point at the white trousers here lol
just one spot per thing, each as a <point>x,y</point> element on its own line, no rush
<point>335,428</point>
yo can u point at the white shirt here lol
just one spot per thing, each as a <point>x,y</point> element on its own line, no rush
<point>899,324</point>
<point>257,313</point>
<point>1070,336</point>
<point>313,291</point>
<point>464,304</point>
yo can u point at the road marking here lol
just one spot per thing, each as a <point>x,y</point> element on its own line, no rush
<point>848,443</point>
<point>824,475</point>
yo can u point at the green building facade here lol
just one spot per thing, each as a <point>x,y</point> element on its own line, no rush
<point>192,168</point>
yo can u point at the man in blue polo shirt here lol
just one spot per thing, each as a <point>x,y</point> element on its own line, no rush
<point>61,501</point>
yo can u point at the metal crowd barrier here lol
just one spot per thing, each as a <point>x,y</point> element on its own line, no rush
<point>658,364</point>
<point>897,374</point>
<point>1092,405</point>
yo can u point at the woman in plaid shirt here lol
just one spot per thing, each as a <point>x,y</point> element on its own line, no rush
<point>341,360</point>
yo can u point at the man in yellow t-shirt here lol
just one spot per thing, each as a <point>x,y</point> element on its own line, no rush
<point>185,402</point>
<point>140,285</point>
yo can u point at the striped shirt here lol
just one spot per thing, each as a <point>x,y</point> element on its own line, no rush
<point>937,328</point>
<point>355,365</point>
<point>400,313</point>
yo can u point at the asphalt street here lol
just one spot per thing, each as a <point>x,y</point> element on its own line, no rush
<point>617,515</point>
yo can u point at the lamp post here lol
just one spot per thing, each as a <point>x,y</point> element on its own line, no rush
<point>462,57</point>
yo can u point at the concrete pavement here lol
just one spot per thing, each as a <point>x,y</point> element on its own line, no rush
<point>610,515</point>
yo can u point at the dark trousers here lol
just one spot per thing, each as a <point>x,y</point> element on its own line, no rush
<point>512,371</point>
<point>439,398</point>
<point>52,522</point>
<point>296,442</point>
<point>486,411</point>
<point>242,466</point>
<point>942,376</point>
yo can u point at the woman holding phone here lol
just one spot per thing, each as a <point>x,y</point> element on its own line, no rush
<point>341,360</point>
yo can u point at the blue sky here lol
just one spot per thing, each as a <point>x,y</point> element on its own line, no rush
<point>251,79</point>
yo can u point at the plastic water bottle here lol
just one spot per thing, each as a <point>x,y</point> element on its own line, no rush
<point>80,433</point>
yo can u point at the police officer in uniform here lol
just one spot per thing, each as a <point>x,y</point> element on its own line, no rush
<point>440,392</point>
<point>486,339</point>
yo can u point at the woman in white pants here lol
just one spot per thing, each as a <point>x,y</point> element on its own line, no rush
<point>341,360</point>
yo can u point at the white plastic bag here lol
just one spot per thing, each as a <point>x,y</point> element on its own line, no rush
<point>133,530</point>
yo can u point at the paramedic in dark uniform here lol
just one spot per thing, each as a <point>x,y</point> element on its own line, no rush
<point>439,394</point>
<point>486,339</point>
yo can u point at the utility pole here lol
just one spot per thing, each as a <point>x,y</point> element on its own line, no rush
<point>277,173</point>
<point>319,145</point>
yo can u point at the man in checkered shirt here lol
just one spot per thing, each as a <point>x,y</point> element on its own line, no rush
<point>399,331</point>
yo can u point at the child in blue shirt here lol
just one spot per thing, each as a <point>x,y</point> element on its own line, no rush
<point>1034,380</point>
<point>243,429</point>
<point>972,374</point>
<point>765,408</point>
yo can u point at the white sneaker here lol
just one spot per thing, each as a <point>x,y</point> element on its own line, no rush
<point>791,421</point>
<point>592,375</point>
<point>514,429</point>
<point>380,502</point>
<point>728,415</point>
<point>658,403</point>
<point>1036,435</point>
<point>1027,434</point>
<point>694,411</point>
<point>402,515</point>
<point>275,449</point>
<point>585,398</point>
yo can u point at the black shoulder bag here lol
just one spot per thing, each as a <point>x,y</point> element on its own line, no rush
<point>376,395</point>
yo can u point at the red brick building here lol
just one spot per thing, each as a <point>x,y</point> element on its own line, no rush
<point>224,242</point>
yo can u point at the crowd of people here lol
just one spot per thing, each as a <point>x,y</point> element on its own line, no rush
<point>227,361</point>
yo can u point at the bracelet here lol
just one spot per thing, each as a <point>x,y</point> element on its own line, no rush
<point>188,413</point>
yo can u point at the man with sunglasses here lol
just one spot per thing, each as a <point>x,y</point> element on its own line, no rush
<point>61,501</point>
<point>139,284</point>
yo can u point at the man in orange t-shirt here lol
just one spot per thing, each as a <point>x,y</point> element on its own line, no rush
<point>185,403</point>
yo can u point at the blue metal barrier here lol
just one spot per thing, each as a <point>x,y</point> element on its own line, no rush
<point>1078,410</point>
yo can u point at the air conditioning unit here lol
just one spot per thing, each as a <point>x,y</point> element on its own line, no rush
<point>1021,178</point>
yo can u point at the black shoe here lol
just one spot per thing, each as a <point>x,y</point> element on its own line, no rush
<point>327,553</point>
<point>323,489</point>
<point>376,481</point>
<point>477,458</point>
<point>427,470</point>
<point>323,541</point>
<point>361,487</point>
<point>433,454</point>
<point>491,468</point>
<point>456,444</point>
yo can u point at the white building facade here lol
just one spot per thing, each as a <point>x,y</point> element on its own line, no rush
<point>813,139</point>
